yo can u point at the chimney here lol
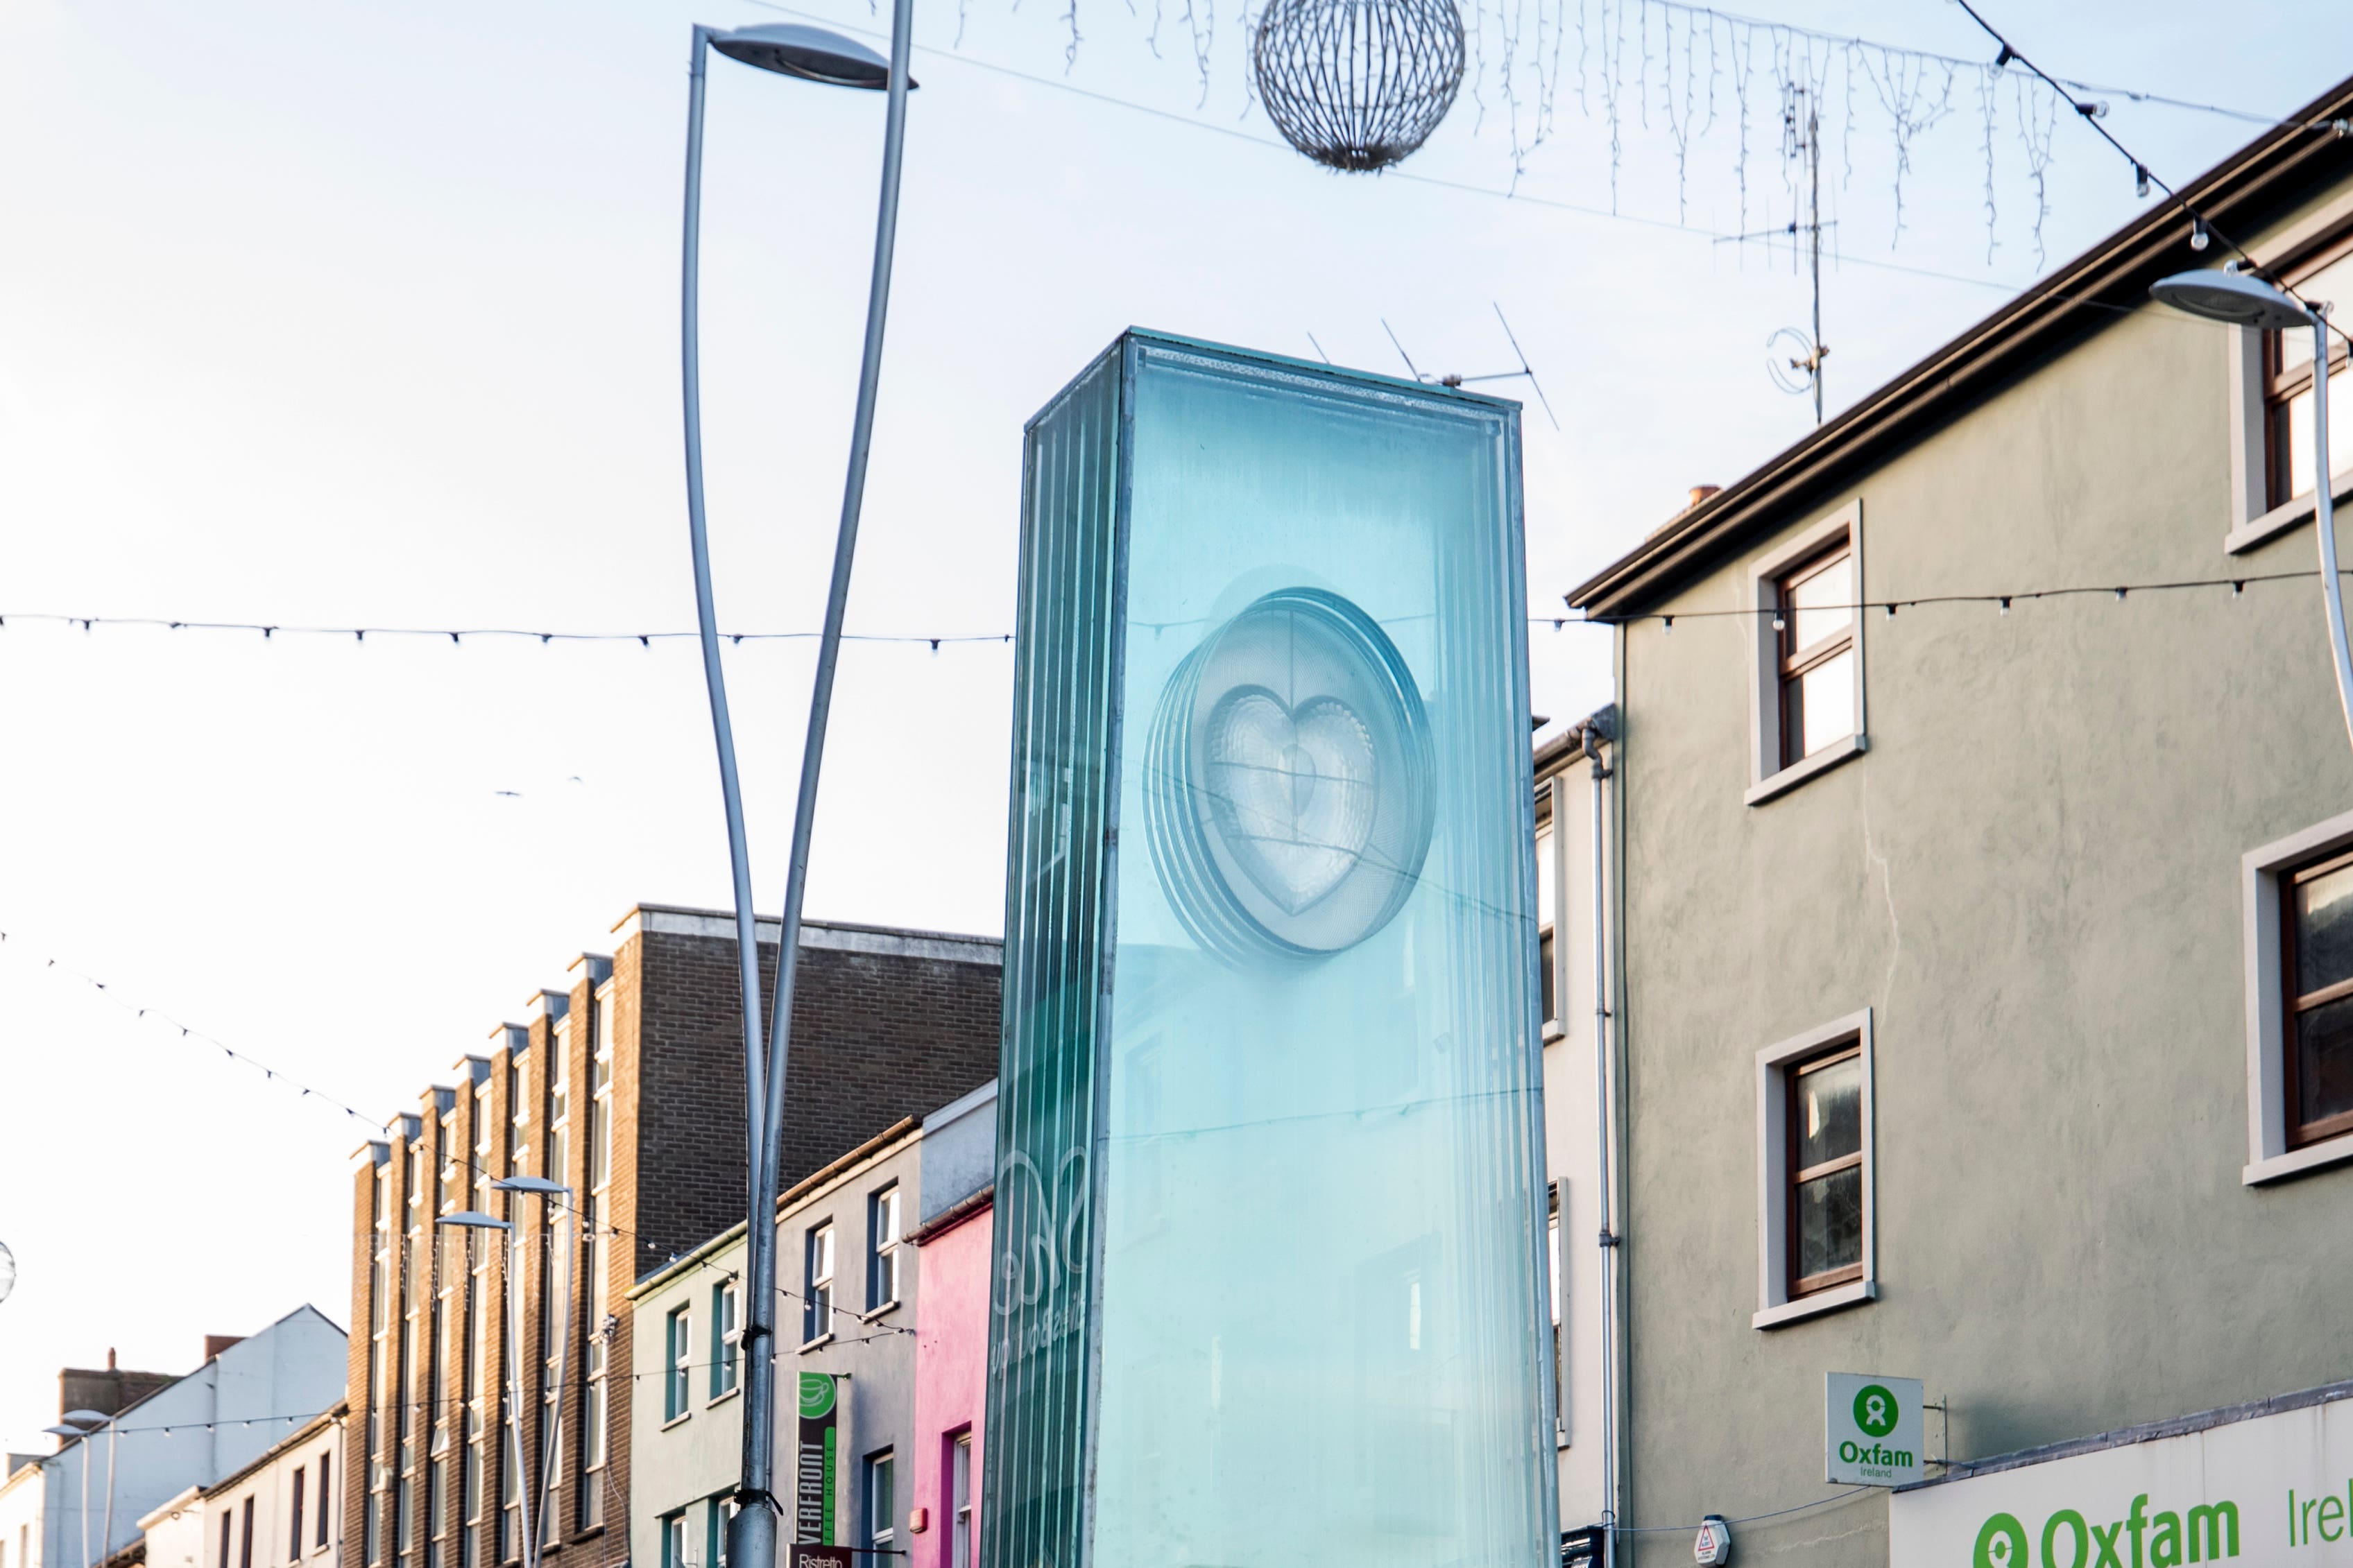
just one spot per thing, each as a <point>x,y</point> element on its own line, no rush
<point>216,1343</point>
<point>109,1359</point>
<point>1700,494</point>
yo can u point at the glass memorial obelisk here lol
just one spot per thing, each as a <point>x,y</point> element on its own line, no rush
<point>1268,1283</point>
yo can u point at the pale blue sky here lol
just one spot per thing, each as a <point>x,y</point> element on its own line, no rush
<point>342,313</point>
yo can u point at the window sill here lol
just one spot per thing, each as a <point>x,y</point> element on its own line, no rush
<point>2280,519</point>
<point>883,1310</point>
<point>822,1340</point>
<point>1796,774</point>
<point>1553,1031</point>
<point>722,1396</point>
<point>679,1419</point>
<point>591,1533</point>
<point>1814,1305</point>
<point>2311,1157</point>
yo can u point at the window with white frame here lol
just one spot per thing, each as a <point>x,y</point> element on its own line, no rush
<point>595,1260</point>
<point>1808,657</point>
<point>1548,952</point>
<point>1554,1263</point>
<point>960,1501</point>
<point>882,1506</point>
<point>2299,958</point>
<point>726,1337</point>
<point>722,1517</point>
<point>674,1541</point>
<point>818,1298</point>
<point>677,1355</point>
<point>882,1261</point>
<point>1816,1251</point>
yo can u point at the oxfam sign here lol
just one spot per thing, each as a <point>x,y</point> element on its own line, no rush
<point>2271,1490</point>
<point>1871,1429</point>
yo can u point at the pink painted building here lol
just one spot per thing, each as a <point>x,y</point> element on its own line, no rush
<point>952,1333</point>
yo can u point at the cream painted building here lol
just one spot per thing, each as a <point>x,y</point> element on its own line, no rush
<point>279,1511</point>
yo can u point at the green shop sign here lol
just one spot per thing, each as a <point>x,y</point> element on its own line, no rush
<point>814,1460</point>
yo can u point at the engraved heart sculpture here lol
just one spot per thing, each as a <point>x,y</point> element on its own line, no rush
<point>1294,790</point>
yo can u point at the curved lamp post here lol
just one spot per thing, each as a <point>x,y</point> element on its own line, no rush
<point>84,1423</point>
<point>474,1219</point>
<point>2242,300</point>
<point>550,1443</point>
<point>812,55</point>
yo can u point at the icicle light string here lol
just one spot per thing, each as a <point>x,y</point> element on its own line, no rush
<point>385,1128</point>
<point>2119,592</point>
<point>1706,41</point>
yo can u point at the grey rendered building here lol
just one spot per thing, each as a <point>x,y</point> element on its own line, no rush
<point>1974,956</point>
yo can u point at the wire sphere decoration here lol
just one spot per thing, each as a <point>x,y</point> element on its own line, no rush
<point>1357,84</point>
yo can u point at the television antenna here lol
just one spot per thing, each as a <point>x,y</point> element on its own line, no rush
<point>1796,368</point>
<point>1452,379</point>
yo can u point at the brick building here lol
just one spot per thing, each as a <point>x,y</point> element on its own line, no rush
<point>628,1087</point>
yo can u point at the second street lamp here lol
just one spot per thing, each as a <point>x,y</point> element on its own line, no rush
<point>556,1195</point>
<point>473,1219</point>
<point>812,55</point>
<point>2242,299</point>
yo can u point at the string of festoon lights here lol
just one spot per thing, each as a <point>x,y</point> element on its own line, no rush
<point>2237,583</point>
<point>2091,111</point>
<point>458,1402</point>
<point>198,1038</point>
<point>2119,592</point>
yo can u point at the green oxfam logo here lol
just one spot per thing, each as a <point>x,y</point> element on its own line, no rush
<point>817,1394</point>
<point>1874,1410</point>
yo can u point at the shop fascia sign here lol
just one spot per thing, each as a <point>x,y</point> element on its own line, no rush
<point>2269,1491</point>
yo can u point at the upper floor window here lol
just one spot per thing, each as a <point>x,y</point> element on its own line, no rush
<point>961,1536</point>
<point>2316,943</point>
<point>2287,383</point>
<point>1547,950</point>
<point>1814,1126</point>
<point>678,1354</point>
<point>1807,664</point>
<point>1813,624</point>
<point>882,1224</point>
<point>726,1335</point>
<point>817,1319</point>
<point>881,1505</point>
<point>559,1073</point>
<point>1825,1164</point>
<point>603,1019</point>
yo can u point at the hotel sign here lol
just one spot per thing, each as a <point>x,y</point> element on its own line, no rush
<point>2274,1491</point>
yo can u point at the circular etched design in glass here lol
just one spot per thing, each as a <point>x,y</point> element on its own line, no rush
<point>1287,796</point>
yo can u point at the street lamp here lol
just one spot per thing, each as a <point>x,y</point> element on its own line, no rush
<point>812,55</point>
<point>552,1440</point>
<point>82,1422</point>
<point>2243,300</point>
<point>474,1219</point>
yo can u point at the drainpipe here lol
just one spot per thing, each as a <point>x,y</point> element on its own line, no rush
<point>1596,731</point>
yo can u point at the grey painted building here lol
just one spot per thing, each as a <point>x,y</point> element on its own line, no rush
<point>1973,953</point>
<point>192,1431</point>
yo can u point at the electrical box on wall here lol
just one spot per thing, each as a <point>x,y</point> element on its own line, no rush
<point>1269,1279</point>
